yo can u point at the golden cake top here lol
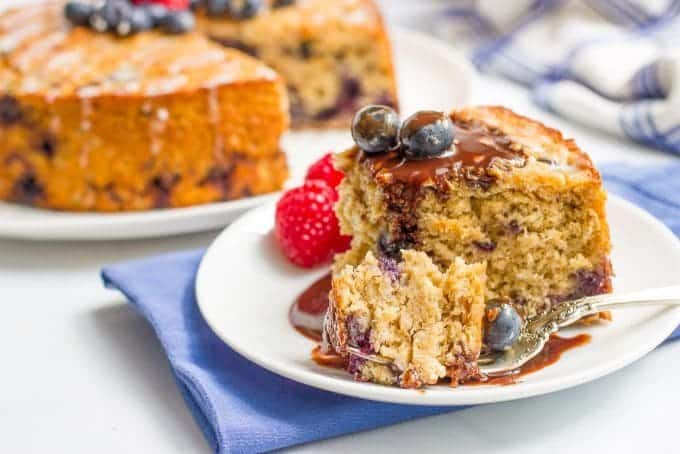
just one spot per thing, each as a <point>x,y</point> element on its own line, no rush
<point>489,144</point>
<point>44,55</point>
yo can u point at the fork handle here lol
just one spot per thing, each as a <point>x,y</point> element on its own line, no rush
<point>570,312</point>
<point>652,297</point>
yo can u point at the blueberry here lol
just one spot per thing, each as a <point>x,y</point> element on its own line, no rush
<point>156,12</point>
<point>178,22</point>
<point>113,15</point>
<point>589,282</point>
<point>245,9</point>
<point>389,247</point>
<point>390,267</point>
<point>98,21</point>
<point>27,189</point>
<point>10,110</point>
<point>47,146</point>
<point>217,7</point>
<point>375,128</point>
<point>141,20</point>
<point>78,13</point>
<point>504,329</point>
<point>426,134</point>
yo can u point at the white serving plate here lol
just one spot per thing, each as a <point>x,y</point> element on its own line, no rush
<point>249,311</point>
<point>431,75</point>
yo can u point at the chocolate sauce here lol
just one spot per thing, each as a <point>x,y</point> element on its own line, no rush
<point>306,314</point>
<point>552,352</point>
<point>331,359</point>
<point>474,150</point>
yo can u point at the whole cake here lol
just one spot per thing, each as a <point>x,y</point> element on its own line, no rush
<point>335,55</point>
<point>117,105</point>
<point>481,185</point>
<point>90,121</point>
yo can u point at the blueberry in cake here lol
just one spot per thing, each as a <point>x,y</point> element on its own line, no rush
<point>425,323</point>
<point>335,55</point>
<point>481,186</point>
<point>99,121</point>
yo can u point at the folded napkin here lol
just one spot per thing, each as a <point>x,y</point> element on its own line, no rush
<point>241,407</point>
<point>609,64</point>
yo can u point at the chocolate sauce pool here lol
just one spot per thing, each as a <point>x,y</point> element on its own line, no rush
<point>474,150</point>
<point>306,316</point>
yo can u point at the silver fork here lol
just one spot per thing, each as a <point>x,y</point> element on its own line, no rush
<point>537,330</point>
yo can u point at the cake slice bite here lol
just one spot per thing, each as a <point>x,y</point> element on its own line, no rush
<point>424,324</point>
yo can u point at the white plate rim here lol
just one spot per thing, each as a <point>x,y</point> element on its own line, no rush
<point>87,226</point>
<point>668,319</point>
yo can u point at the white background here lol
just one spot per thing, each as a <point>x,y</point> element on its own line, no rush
<point>82,372</point>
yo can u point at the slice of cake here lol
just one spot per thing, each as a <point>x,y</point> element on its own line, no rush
<point>335,55</point>
<point>485,185</point>
<point>90,121</point>
<point>423,324</point>
<point>461,224</point>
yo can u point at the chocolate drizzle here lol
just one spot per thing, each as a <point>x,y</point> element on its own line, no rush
<point>475,150</point>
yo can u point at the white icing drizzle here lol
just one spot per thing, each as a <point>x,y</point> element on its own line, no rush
<point>157,129</point>
<point>85,113</point>
<point>124,73</point>
<point>9,41</point>
<point>63,60</point>
<point>85,125</point>
<point>55,124</point>
<point>214,117</point>
<point>21,17</point>
<point>196,61</point>
<point>165,85</point>
<point>39,49</point>
<point>88,91</point>
<point>30,84</point>
<point>266,72</point>
<point>222,78</point>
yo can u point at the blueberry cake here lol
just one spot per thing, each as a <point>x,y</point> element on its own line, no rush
<point>481,185</point>
<point>423,323</point>
<point>91,121</point>
<point>334,54</point>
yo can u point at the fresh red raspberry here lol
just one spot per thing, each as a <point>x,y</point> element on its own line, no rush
<point>306,226</point>
<point>323,169</point>
<point>169,4</point>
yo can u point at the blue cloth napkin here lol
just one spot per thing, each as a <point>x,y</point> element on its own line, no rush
<point>243,408</point>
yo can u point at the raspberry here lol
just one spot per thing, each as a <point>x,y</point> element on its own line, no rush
<point>306,226</point>
<point>323,169</point>
<point>169,4</point>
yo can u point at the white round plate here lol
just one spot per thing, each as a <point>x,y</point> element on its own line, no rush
<point>249,311</point>
<point>430,75</point>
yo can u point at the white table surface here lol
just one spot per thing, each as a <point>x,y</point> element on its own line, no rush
<point>82,372</point>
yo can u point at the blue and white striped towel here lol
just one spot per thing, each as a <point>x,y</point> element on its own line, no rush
<point>609,64</point>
